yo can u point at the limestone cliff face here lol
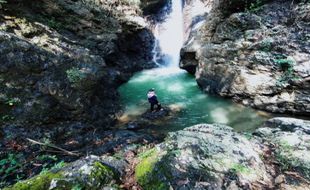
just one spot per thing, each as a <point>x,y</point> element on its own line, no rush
<point>63,60</point>
<point>257,55</point>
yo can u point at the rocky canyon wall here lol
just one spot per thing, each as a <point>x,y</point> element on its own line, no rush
<point>255,53</point>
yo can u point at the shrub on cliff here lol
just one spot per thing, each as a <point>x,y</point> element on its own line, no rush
<point>232,6</point>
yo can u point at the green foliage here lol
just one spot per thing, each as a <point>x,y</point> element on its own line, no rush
<point>46,167</point>
<point>254,6</point>
<point>12,166</point>
<point>3,1</point>
<point>39,182</point>
<point>266,45</point>
<point>102,174</point>
<point>286,65</point>
<point>288,161</point>
<point>248,136</point>
<point>233,6</point>
<point>239,168</point>
<point>284,155</point>
<point>47,157</point>
<point>75,75</point>
<point>77,187</point>
<point>9,165</point>
<point>147,154</point>
<point>53,23</point>
<point>5,118</point>
<point>13,101</point>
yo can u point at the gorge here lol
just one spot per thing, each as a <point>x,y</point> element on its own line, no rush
<point>74,77</point>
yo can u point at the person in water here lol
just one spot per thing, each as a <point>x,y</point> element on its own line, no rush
<point>152,98</point>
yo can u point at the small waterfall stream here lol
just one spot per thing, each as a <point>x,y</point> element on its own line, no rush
<point>169,35</point>
<point>178,90</point>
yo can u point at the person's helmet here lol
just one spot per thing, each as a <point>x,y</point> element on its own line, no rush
<point>152,89</point>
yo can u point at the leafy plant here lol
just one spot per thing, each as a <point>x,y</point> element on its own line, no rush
<point>3,1</point>
<point>53,23</point>
<point>47,157</point>
<point>7,118</point>
<point>286,65</point>
<point>266,45</point>
<point>59,165</point>
<point>13,101</point>
<point>77,187</point>
<point>9,165</point>
<point>254,6</point>
<point>46,167</point>
<point>75,75</point>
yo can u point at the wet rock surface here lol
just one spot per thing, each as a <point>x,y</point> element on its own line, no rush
<point>150,119</point>
<point>257,57</point>
<point>157,114</point>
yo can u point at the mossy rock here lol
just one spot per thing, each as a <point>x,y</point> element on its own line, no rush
<point>101,174</point>
<point>290,158</point>
<point>149,172</point>
<point>39,182</point>
<point>88,173</point>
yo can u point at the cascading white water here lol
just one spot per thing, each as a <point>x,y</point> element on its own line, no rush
<point>169,35</point>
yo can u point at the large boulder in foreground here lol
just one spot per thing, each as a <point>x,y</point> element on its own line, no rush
<point>203,157</point>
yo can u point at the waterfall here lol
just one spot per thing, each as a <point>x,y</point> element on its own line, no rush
<point>176,88</point>
<point>169,37</point>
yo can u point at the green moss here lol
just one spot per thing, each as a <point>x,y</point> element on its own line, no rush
<point>39,182</point>
<point>288,161</point>
<point>102,174</point>
<point>149,174</point>
<point>239,168</point>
